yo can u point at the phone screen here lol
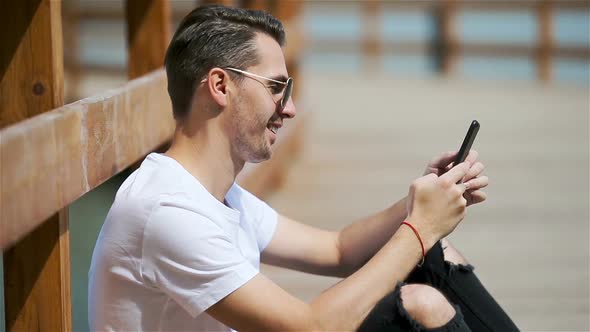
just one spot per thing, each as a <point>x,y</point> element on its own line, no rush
<point>467,142</point>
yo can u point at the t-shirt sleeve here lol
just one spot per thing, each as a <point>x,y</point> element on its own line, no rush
<point>264,217</point>
<point>191,259</point>
<point>267,224</point>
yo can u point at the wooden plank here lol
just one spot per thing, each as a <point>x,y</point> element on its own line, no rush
<point>371,43</point>
<point>71,42</point>
<point>545,39</point>
<point>36,270</point>
<point>448,33</point>
<point>148,35</point>
<point>51,160</point>
<point>79,146</point>
<point>286,11</point>
<point>255,4</point>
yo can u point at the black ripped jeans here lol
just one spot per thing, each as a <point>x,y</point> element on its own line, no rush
<point>476,309</point>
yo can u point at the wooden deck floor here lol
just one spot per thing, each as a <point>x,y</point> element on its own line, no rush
<point>369,138</point>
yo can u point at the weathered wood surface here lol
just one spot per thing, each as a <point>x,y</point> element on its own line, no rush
<point>36,269</point>
<point>50,160</point>
<point>369,137</point>
<point>31,59</point>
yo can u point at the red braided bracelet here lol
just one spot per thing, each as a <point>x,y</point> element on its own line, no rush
<point>419,239</point>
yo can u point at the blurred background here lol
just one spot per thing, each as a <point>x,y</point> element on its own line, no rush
<point>385,86</point>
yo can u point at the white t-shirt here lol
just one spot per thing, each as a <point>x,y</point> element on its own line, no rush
<point>168,250</point>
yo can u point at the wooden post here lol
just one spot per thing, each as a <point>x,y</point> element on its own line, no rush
<point>449,38</point>
<point>545,40</point>
<point>371,45</point>
<point>148,35</point>
<point>71,41</point>
<point>37,268</point>
<point>255,4</point>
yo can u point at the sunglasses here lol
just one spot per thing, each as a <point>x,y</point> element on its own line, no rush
<point>287,86</point>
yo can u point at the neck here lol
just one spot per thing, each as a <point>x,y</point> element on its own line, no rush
<point>206,155</point>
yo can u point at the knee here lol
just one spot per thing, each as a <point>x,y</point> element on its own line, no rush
<point>426,305</point>
<point>452,255</point>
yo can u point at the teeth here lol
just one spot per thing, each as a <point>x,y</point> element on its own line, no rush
<point>273,128</point>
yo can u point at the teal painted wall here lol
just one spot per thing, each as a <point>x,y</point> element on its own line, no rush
<point>87,215</point>
<point>2,319</point>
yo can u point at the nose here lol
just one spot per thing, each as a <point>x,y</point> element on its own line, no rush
<point>289,111</point>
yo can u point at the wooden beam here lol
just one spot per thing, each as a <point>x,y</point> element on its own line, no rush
<point>148,35</point>
<point>286,10</point>
<point>36,269</point>
<point>31,59</point>
<point>51,160</point>
<point>371,43</point>
<point>71,41</point>
<point>448,33</point>
<point>545,40</point>
<point>255,4</point>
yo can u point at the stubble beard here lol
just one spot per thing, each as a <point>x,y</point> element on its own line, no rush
<point>251,143</point>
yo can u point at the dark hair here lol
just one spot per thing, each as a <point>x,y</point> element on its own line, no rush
<point>213,36</point>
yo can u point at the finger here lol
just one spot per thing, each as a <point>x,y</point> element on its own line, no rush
<point>444,159</point>
<point>472,156</point>
<point>456,173</point>
<point>474,171</point>
<point>463,187</point>
<point>477,196</point>
<point>478,183</point>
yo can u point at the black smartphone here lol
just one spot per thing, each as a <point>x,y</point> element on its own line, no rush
<point>467,142</point>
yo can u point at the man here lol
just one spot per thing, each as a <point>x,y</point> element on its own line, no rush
<point>181,247</point>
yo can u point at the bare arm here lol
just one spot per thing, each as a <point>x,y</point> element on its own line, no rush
<point>359,241</point>
<point>302,247</point>
<point>261,305</point>
<point>437,207</point>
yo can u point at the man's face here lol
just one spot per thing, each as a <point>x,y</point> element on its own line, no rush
<point>255,118</point>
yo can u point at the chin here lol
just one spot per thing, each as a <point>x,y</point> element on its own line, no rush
<point>260,156</point>
<point>253,152</point>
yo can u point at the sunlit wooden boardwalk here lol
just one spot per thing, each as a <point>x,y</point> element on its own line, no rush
<point>369,137</point>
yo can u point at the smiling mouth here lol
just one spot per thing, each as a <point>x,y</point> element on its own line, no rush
<point>274,127</point>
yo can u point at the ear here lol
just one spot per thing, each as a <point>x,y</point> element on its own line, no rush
<point>217,84</point>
